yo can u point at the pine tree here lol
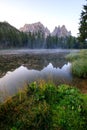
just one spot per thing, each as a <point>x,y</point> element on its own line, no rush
<point>83,27</point>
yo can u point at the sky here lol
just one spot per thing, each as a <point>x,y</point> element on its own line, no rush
<point>50,13</point>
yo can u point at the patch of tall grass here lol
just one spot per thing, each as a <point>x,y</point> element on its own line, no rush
<point>79,68</point>
<point>79,63</point>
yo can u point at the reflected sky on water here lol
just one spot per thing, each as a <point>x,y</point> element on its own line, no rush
<point>20,77</point>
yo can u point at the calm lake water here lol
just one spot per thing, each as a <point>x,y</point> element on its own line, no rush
<point>20,67</point>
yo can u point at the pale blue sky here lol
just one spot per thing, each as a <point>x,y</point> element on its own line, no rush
<point>51,13</point>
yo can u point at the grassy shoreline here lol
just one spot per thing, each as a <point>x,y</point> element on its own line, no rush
<point>79,63</point>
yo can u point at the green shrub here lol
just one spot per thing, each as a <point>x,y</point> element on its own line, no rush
<point>68,114</point>
<point>13,128</point>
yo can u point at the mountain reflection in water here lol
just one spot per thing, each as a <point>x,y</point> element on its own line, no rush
<point>14,81</point>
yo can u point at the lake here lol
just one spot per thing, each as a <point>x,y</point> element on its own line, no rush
<point>21,67</point>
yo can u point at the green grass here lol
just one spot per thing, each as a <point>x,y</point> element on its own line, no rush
<point>79,63</point>
<point>45,107</point>
<point>79,68</point>
<point>82,54</point>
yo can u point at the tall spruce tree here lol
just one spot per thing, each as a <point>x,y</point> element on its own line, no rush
<point>83,27</point>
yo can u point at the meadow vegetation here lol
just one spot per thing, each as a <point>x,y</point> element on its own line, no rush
<point>79,63</point>
<point>43,106</point>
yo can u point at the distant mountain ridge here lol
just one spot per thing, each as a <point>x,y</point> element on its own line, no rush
<point>39,27</point>
<point>5,27</point>
<point>39,37</point>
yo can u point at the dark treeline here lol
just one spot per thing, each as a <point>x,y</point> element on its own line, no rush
<point>62,42</point>
<point>10,37</point>
<point>37,40</point>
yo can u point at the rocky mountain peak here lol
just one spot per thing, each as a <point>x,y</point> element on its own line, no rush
<point>61,31</point>
<point>35,28</point>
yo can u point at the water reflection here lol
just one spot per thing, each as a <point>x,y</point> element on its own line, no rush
<point>14,81</point>
<point>31,61</point>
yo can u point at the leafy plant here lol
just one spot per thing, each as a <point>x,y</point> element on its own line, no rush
<point>69,110</point>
